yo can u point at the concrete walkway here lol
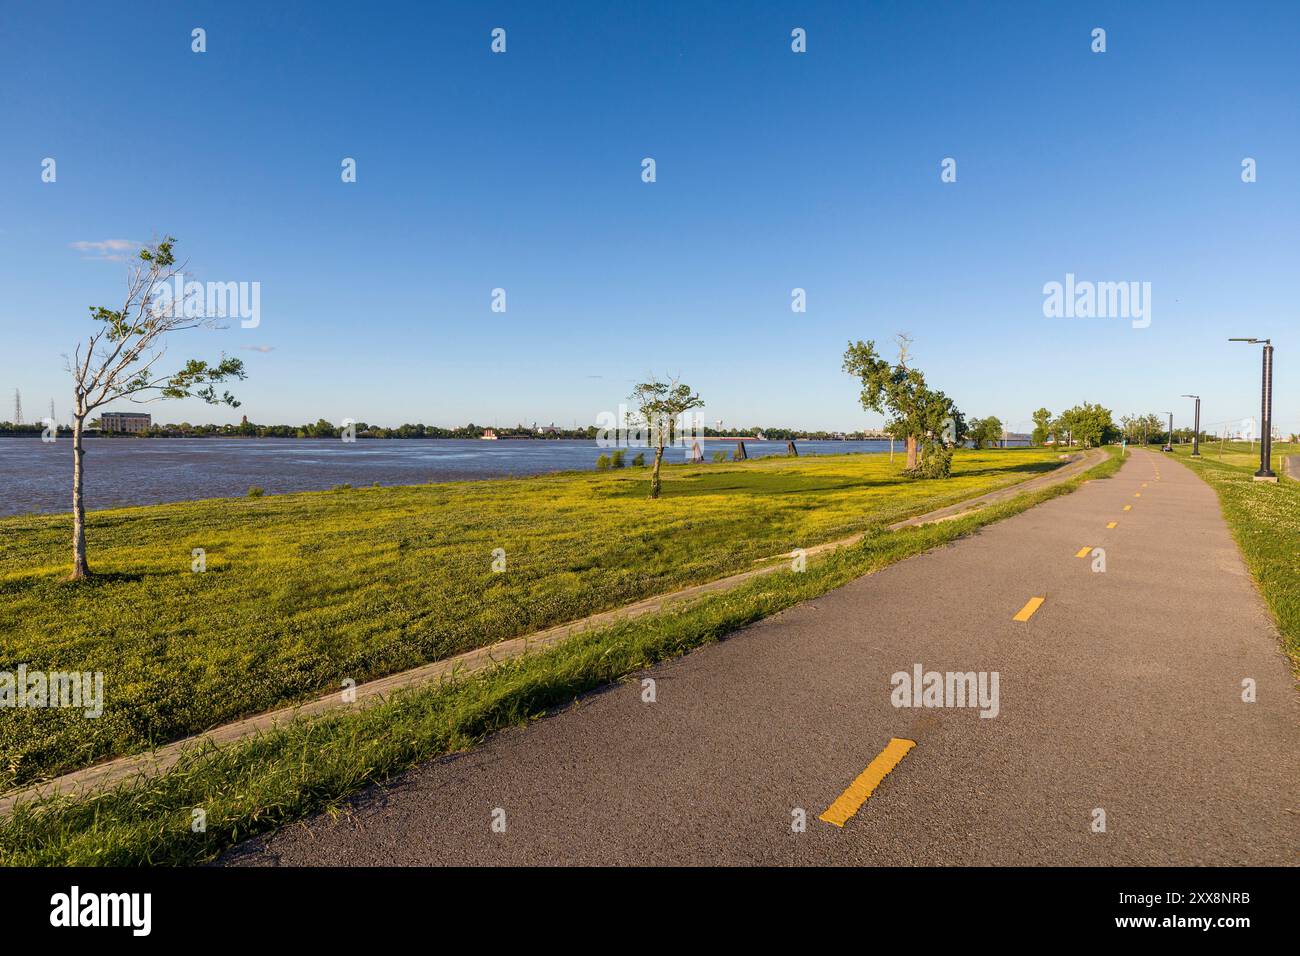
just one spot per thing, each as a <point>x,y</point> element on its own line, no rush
<point>111,773</point>
<point>1120,735</point>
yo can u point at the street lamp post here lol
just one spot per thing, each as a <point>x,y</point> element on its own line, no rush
<point>1265,473</point>
<point>1196,428</point>
<point>1169,443</point>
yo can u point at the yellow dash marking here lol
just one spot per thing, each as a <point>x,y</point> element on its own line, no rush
<point>1112,524</point>
<point>1128,507</point>
<point>1144,484</point>
<point>1137,494</point>
<point>1028,610</point>
<point>1083,552</point>
<point>851,800</point>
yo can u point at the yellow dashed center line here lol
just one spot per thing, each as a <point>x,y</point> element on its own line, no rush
<point>1112,524</point>
<point>1137,494</point>
<point>851,800</point>
<point>1128,507</point>
<point>1026,612</point>
<point>1083,552</point>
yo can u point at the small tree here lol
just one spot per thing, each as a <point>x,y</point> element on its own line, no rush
<point>916,412</point>
<point>893,390</point>
<point>659,405</point>
<point>1042,425</point>
<point>985,431</point>
<point>1088,424</point>
<point>939,427</point>
<point>119,362</point>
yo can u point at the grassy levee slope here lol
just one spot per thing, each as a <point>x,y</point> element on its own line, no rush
<point>1265,521</point>
<point>308,765</point>
<point>303,591</point>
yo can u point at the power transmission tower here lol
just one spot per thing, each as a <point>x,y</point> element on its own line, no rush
<point>18,407</point>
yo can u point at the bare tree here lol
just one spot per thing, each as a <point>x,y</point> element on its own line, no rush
<point>120,359</point>
<point>659,404</point>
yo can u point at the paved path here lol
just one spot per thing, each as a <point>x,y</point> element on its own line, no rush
<point>1292,466</point>
<point>1121,692</point>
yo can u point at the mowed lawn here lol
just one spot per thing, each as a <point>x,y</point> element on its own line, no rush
<point>303,591</point>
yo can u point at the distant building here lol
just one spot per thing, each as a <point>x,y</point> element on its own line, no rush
<point>489,434</point>
<point>130,422</point>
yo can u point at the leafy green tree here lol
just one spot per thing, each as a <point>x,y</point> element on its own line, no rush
<point>940,427</point>
<point>1088,424</point>
<point>1153,425</point>
<point>985,431</point>
<point>119,363</point>
<point>659,406</point>
<point>927,420</point>
<point>1042,426</point>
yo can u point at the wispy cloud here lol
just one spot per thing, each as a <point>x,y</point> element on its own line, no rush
<point>258,348</point>
<point>108,250</point>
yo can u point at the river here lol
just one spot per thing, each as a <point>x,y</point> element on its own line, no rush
<point>36,476</point>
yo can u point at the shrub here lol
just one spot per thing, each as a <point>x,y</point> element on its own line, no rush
<point>639,460</point>
<point>616,460</point>
<point>602,463</point>
<point>719,456</point>
<point>936,462</point>
<point>255,492</point>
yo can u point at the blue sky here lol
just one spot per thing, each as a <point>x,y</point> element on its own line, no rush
<point>775,170</point>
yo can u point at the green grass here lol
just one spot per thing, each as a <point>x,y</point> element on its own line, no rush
<point>310,765</point>
<point>305,590</point>
<point>1241,454</point>
<point>1265,521</point>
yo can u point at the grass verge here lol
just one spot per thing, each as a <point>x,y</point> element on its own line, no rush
<point>311,765</point>
<point>1265,521</point>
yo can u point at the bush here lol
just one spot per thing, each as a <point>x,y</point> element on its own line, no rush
<point>719,456</point>
<point>639,460</point>
<point>616,460</point>
<point>936,462</point>
<point>602,463</point>
<point>255,492</point>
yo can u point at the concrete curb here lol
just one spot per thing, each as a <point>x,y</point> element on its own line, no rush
<point>119,770</point>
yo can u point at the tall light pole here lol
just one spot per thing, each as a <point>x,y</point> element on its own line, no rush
<point>1265,473</point>
<point>1169,442</point>
<point>1196,428</point>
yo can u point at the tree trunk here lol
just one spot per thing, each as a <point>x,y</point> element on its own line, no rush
<point>80,569</point>
<point>654,474</point>
<point>911,451</point>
